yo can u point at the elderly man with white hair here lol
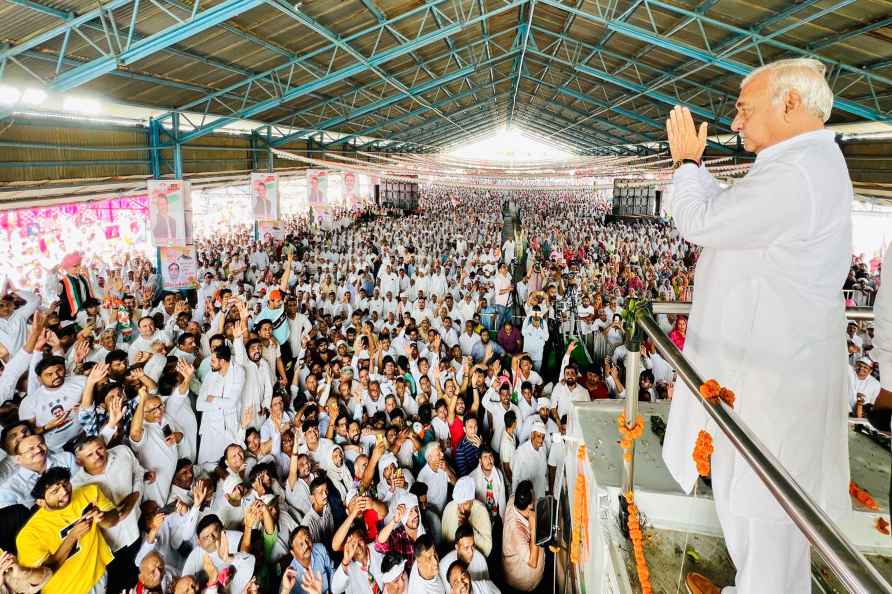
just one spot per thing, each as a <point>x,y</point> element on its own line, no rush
<point>767,307</point>
<point>437,475</point>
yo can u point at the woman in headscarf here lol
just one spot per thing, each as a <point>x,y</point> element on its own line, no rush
<point>391,478</point>
<point>338,473</point>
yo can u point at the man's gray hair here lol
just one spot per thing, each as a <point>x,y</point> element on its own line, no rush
<point>804,75</point>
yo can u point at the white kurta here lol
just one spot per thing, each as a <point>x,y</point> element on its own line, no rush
<point>220,423</point>
<point>767,321</point>
<point>768,318</point>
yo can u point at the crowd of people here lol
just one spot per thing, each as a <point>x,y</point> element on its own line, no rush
<point>360,408</point>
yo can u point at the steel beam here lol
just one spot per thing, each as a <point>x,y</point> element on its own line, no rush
<point>709,57</point>
<point>518,65</point>
<point>378,105</point>
<point>412,114</point>
<point>378,58</point>
<point>171,35</point>
<point>637,88</point>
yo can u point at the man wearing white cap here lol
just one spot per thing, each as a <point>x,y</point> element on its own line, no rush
<point>543,416</point>
<point>465,509</point>
<point>864,386</point>
<point>530,461</point>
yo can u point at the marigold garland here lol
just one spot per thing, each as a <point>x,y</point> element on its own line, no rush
<point>579,543</point>
<point>628,436</point>
<point>713,391</point>
<point>882,526</point>
<point>638,545</point>
<point>703,450</point>
<point>862,496</point>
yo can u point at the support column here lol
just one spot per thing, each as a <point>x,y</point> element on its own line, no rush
<point>177,147</point>
<point>154,151</point>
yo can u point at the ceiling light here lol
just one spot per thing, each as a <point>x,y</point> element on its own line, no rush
<point>34,96</point>
<point>81,105</point>
<point>9,95</point>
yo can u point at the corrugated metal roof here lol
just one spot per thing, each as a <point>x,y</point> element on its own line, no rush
<point>556,79</point>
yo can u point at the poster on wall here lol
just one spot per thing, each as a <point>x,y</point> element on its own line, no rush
<point>267,230</point>
<point>265,196</point>
<point>179,268</point>
<point>167,211</point>
<point>351,190</point>
<point>317,186</point>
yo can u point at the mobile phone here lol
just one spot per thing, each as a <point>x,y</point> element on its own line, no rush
<point>91,507</point>
<point>169,508</point>
<point>167,431</point>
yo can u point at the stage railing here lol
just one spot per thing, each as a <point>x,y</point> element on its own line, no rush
<point>850,566</point>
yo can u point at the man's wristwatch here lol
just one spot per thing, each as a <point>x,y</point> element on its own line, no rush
<point>680,162</point>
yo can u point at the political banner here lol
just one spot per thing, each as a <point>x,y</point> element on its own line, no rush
<point>265,196</point>
<point>267,230</point>
<point>167,211</point>
<point>317,187</point>
<point>179,268</point>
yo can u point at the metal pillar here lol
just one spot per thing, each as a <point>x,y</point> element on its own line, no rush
<point>177,147</point>
<point>154,151</point>
<point>633,370</point>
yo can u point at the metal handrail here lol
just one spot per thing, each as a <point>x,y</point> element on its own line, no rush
<point>844,560</point>
<point>684,307</point>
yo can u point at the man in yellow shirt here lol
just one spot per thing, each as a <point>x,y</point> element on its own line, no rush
<point>64,534</point>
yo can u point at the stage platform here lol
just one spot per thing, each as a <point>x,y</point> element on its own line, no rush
<point>676,523</point>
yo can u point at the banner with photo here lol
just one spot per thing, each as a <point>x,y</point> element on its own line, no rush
<point>265,196</point>
<point>168,201</point>
<point>317,187</point>
<point>179,268</point>
<point>266,230</point>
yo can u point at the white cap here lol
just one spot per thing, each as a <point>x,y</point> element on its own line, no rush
<point>539,427</point>
<point>464,490</point>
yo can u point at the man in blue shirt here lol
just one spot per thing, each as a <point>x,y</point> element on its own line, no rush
<point>309,556</point>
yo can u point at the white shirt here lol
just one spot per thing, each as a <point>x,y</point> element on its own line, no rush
<point>123,475</point>
<point>868,386</point>
<point>437,487</point>
<point>767,308</point>
<point>530,464</point>
<point>419,585</point>
<point>156,455</point>
<point>500,283</point>
<point>562,396</point>
<point>477,568</point>
<point>14,329</point>
<point>44,404</point>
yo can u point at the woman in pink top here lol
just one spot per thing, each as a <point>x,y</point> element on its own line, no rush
<point>677,335</point>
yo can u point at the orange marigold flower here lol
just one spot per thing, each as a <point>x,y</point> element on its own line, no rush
<point>711,389</point>
<point>727,396</point>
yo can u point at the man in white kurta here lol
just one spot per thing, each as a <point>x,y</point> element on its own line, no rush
<point>768,319</point>
<point>220,400</point>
